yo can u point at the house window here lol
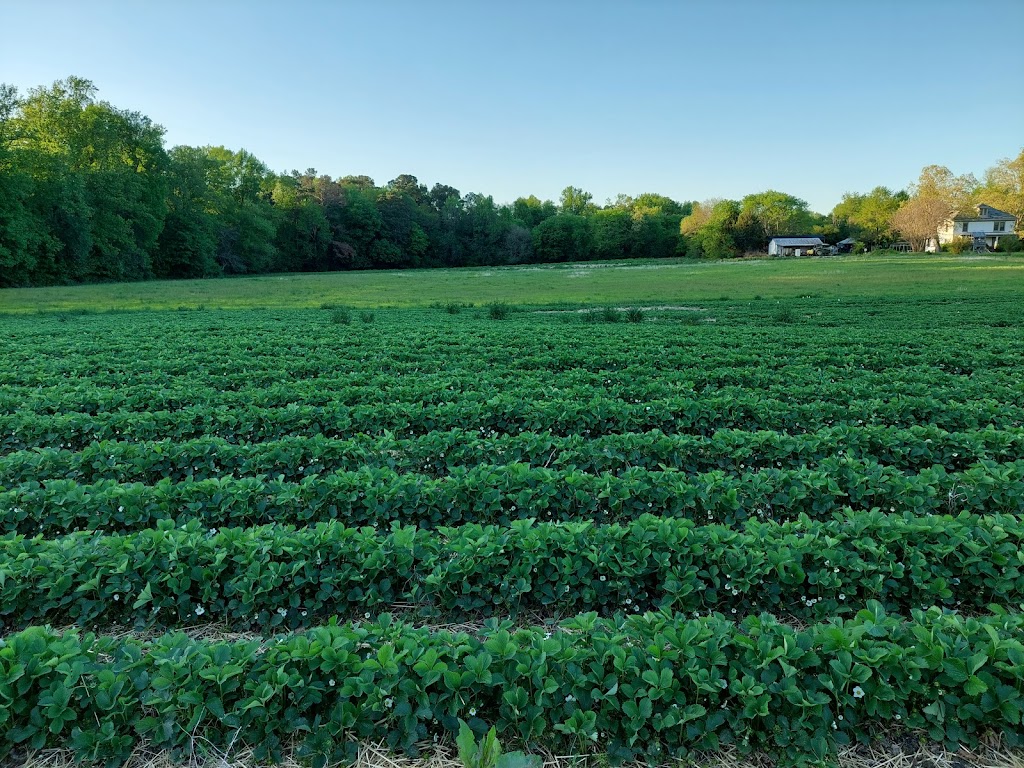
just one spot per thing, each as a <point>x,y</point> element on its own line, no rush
<point>999,226</point>
<point>963,227</point>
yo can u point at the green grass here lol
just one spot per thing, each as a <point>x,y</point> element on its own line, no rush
<point>624,282</point>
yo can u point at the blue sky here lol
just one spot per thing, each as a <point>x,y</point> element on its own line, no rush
<point>690,99</point>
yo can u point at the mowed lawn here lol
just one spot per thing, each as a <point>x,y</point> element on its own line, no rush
<point>624,282</point>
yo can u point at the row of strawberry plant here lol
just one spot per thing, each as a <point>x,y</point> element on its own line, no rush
<point>501,494</point>
<point>437,453</point>
<point>277,575</point>
<point>648,687</point>
<point>359,389</point>
<point>300,346</point>
<point>503,413</point>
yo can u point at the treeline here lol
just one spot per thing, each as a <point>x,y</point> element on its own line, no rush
<point>728,228</point>
<point>89,192</point>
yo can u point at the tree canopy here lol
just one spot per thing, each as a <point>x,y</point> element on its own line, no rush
<point>90,192</point>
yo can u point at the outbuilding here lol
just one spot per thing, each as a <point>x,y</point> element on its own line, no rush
<point>794,246</point>
<point>846,245</point>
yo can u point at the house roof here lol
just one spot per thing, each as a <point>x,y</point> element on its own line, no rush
<point>847,241</point>
<point>792,241</point>
<point>991,214</point>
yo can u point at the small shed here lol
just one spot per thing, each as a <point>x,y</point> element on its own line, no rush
<point>845,246</point>
<point>794,246</point>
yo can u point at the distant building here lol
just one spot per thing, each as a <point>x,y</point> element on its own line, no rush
<point>794,246</point>
<point>984,226</point>
<point>845,246</point>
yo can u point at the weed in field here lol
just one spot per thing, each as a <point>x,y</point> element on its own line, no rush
<point>487,752</point>
<point>610,315</point>
<point>366,317</point>
<point>634,315</point>
<point>785,315</point>
<point>341,316</point>
<point>498,310</point>
<point>452,308</point>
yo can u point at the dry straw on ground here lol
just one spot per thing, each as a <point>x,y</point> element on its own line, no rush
<point>886,753</point>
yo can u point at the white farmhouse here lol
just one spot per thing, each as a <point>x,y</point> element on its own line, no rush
<point>793,246</point>
<point>986,224</point>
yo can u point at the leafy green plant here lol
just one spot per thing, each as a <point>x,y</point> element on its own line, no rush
<point>680,685</point>
<point>785,315</point>
<point>1010,244</point>
<point>487,752</point>
<point>341,316</point>
<point>958,245</point>
<point>498,310</point>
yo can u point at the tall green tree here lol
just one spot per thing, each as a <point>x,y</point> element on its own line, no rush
<point>710,229</point>
<point>576,201</point>
<point>303,232</point>
<point>869,216</point>
<point>101,176</point>
<point>777,213</point>
<point>1003,187</point>
<point>187,246</point>
<point>613,233</point>
<point>531,211</point>
<point>566,237</point>
<point>241,187</point>
<point>24,240</point>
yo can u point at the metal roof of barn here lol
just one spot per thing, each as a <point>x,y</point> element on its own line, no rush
<point>791,241</point>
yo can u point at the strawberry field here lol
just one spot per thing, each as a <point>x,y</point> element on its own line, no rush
<point>722,526</point>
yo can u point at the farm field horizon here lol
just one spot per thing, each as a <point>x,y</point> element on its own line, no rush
<point>784,526</point>
<point>642,282</point>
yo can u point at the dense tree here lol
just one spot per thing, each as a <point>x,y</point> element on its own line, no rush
<point>575,201</point>
<point>99,181</point>
<point>89,192</point>
<point>531,211</point>
<point>364,183</point>
<point>1003,186</point>
<point>410,186</point>
<point>23,236</point>
<point>709,229</point>
<point>937,182</point>
<point>439,194</point>
<point>187,246</point>
<point>869,217</point>
<point>566,237</point>
<point>612,233</point>
<point>361,227</point>
<point>518,245</point>
<point>777,213</point>
<point>303,232</point>
<point>919,220</point>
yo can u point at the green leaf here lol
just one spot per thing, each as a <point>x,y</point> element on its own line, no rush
<point>466,743</point>
<point>518,760</point>
<point>975,685</point>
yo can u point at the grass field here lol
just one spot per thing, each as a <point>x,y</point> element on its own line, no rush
<point>595,282</point>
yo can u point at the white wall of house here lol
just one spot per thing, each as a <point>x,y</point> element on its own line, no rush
<point>986,227</point>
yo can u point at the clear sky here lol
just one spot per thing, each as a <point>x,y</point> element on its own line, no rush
<point>689,99</point>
